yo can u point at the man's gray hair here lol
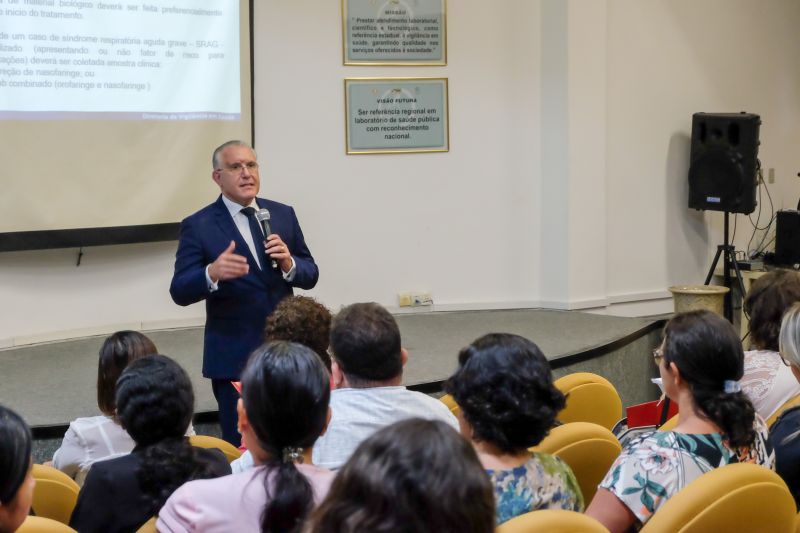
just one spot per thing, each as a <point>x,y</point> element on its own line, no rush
<point>215,156</point>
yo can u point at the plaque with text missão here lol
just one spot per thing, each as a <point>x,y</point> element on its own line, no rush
<point>394,32</point>
<point>396,115</point>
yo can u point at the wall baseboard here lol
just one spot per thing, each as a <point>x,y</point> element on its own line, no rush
<point>597,304</point>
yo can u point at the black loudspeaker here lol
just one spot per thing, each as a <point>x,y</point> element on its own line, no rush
<point>724,162</point>
<point>787,237</point>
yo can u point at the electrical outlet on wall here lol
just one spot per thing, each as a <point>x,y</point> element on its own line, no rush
<point>414,299</point>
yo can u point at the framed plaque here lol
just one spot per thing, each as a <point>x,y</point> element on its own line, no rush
<point>395,115</point>
<point>394,32</point>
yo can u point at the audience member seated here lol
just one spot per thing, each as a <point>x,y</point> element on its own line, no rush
<point>16,481</point>
<point>154,401</point>
<point>415,476</point>
<point>301,319</point>
<point>367,368</point>
<point>283,410</point>
<point>700,362</point>
<point>767,381</point>
<point>296,319</point>
<point>785,432</point>
<point>508,404</point>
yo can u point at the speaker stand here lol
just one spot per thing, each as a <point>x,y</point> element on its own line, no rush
<point>728,253</point>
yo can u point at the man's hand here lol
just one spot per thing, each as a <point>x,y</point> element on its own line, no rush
<point>277,250</point>
<point>228,265</point>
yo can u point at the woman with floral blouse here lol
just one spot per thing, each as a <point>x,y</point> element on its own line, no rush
<point>700,361</point>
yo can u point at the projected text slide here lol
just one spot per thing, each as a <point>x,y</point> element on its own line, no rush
<point>151,60</point>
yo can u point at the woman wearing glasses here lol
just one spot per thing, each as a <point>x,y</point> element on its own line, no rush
<point>700,361</point>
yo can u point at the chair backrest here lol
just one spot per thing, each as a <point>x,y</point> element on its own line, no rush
<point>451,404</point>
<point>39,524</point>
<point>589,450</point>
<point>148,527</point>
<point>54,499</point>
<point>590,398</point>
<point>670,424</point>
<point>552,521</point>
<point>788,404</point>
<point>207,441</point>
<point>739,497</point>
<point>48,472</point>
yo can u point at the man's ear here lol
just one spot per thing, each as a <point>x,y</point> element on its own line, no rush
<point>337,374</point>
<point>215,176</point>
<point>403,356</point>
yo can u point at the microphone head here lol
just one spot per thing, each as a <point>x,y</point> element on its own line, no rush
<point>262,214</point>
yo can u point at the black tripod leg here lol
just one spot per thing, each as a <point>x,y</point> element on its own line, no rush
<point>713,265</point>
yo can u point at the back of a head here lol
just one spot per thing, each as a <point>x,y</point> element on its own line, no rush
<point>365,341</point>
<point>769,298</point>
<point>708,353</point>
<point>505,390</point>
<point>118,351</point>
<point>154,399</point>
<point>301,319</point>
<point>15,462</point>
<point>789,342</point>
<point>412,476</point>
<point>285,392</point>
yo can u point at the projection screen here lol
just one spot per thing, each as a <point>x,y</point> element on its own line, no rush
<point>109,112</point>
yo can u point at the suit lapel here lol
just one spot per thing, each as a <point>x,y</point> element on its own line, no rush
<point>228,227</point>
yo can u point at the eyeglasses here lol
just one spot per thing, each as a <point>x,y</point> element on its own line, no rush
<point>251,166</point>
<point>658,355</point>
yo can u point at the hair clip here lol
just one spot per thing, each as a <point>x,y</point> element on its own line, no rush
<point>732,386</point>
<point>293,455</point>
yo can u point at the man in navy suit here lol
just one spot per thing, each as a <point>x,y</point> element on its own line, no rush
<point>224,259</point>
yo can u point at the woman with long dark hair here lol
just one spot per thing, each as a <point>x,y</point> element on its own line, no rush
<point>93,438</point>
<point>413,476</point>
<point>282,412</point>
<point>155,402</point>
<point>701,362</point>
<point>16,481</point>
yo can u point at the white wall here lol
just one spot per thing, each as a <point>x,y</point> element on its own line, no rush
<point>565,185</point>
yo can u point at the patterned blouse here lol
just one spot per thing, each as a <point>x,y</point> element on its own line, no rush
<point>543,482</point>
<point>654,466</point>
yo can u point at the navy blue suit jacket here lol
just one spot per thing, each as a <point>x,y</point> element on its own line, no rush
<point>237,311</point>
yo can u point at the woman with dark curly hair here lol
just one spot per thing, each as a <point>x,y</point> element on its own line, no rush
<point>414,476</point>
<point>767,381</point>
<point>94,438</point>
<point>508,403</point>
<point>283,410</point>
<point>700,362</point>
<point>155,402</point>
<point>16,481</point>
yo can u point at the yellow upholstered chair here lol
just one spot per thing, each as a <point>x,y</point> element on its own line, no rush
<point>552,521</point>
<point>739,497</point>
<point>670,424</point>
<point>48,472</point>
<point>207,441</point>
<point>54,499</point>
<point>148,527</point>
<point>451,404</point>
<point>39,524</point>
<point>590,398</point>
<point>788,404</point>
<point>589,450</point>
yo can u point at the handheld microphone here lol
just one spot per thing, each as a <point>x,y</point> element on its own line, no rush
<point>262,216</point>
